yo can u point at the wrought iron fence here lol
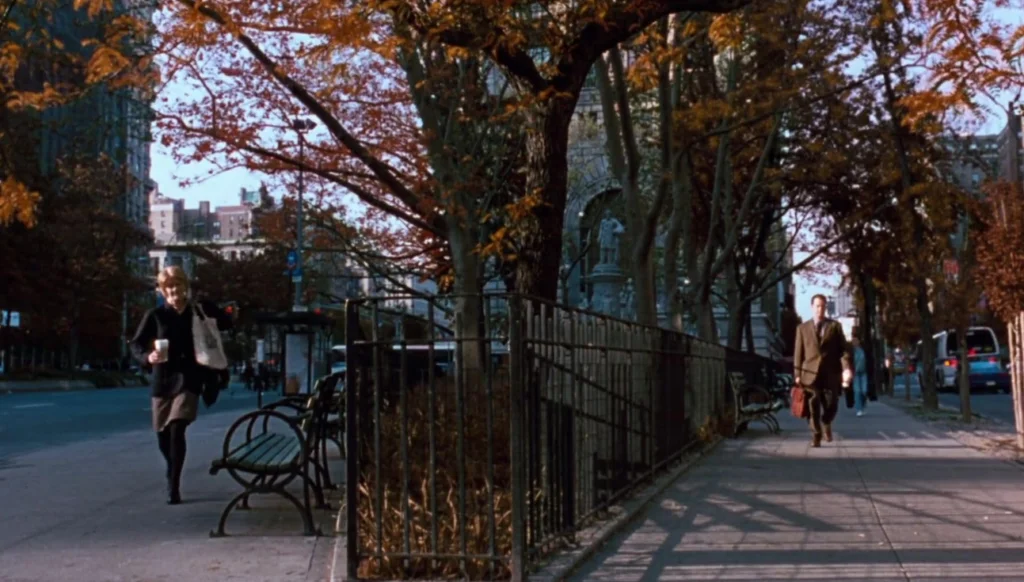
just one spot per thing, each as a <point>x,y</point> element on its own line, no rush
<point>474,451</point>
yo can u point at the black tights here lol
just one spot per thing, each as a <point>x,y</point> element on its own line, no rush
<point>172,445</point>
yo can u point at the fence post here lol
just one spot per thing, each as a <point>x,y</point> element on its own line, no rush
<point>517,455</point>
<point>1017,380</point>
<point>351,442</point>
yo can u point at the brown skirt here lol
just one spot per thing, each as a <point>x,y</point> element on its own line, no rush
<point>182,406</point>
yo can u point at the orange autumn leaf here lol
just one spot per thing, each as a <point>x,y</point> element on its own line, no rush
<point>17,203</point>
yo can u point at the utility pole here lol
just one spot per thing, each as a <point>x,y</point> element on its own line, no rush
<point>300,126</point>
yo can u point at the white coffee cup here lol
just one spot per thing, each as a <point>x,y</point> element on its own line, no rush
<point>162,346</point>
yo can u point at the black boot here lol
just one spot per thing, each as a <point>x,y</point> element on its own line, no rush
<point>177,462</point>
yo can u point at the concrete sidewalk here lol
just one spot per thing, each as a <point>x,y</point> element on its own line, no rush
<point>94,511</point>
<point>890,499</point>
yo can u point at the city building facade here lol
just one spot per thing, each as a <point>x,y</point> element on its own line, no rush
<point>226,230</point>
<point>102,121</point>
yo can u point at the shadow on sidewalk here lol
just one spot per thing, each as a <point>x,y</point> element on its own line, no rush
<point>878,504</point>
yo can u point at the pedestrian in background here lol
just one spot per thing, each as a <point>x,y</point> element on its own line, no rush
<point>860,376</point>
<point>247,375</point>
<point>164,343</point>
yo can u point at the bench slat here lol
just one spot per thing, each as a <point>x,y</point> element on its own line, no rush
<point>248,445</point>
<point>266,452</point>
<point>253,454</point>
<point>283,457</point>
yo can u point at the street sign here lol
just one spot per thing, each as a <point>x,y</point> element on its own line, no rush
<point>951,267</point>
<point>297,275</point>
<point>293,259</point>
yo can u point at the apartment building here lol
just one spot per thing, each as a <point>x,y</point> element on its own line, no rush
<point>170,221</point>
<point>227,230</point>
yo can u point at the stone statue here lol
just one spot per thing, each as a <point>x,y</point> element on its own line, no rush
<point>608,239</point>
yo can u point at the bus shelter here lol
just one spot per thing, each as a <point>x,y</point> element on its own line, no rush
<point>301,341</point>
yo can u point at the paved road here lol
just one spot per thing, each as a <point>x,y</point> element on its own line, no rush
<point>996,406</point>
<point>34,420</point>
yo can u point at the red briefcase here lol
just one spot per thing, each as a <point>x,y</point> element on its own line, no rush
<point>798,402</point>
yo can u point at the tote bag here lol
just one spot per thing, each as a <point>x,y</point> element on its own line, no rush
<point>207,340</point>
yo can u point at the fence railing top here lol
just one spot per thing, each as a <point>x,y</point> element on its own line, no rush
<point>511,297</point>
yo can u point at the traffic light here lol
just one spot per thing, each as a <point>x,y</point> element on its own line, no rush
<point>230,308</point>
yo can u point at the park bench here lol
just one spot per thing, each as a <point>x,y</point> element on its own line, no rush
<point>783,384</point>
<point>275,449</point>
<point>753,403</point>
<point>330,429</point>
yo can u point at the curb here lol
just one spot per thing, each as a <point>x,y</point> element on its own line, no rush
<point>986,417</point>
<point>974,439</point>
<point>74,386</point>
<point>594,538</point>
<point>955,409</point>
<point>336,568</point>
<point>70,387</point>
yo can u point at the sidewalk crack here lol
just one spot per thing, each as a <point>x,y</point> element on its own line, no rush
<point>874,510</point>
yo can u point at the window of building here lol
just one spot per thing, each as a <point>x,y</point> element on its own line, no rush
<point>216,237</point>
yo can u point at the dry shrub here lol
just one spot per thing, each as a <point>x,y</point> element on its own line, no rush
<point>478,495</point>
<point>716,425</point>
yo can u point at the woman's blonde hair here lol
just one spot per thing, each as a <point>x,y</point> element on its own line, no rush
<point>173,275</point>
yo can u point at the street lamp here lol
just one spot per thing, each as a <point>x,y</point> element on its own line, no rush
<point>300,126</point>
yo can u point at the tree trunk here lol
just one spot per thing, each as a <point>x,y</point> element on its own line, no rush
<point>735,340</point>
<point>707,327</point>
<point>868,333</point>
<point>73,344</point>
<point>673,294</point>
<point>678,240</point>
<point>646,294</point>
<point>929,393</point>
<point>547,178</point>
<point>748,326</point>
<point>468,286</point>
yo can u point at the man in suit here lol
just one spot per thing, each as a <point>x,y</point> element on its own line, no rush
<point>822,367</point>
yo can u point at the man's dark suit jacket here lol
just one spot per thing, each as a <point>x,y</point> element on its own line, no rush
<point>820,364</point>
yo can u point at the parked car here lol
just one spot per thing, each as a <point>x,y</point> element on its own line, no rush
<point>987,369</point>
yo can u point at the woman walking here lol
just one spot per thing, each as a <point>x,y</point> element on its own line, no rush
<point>163,342</point>
<point>860,376</point>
